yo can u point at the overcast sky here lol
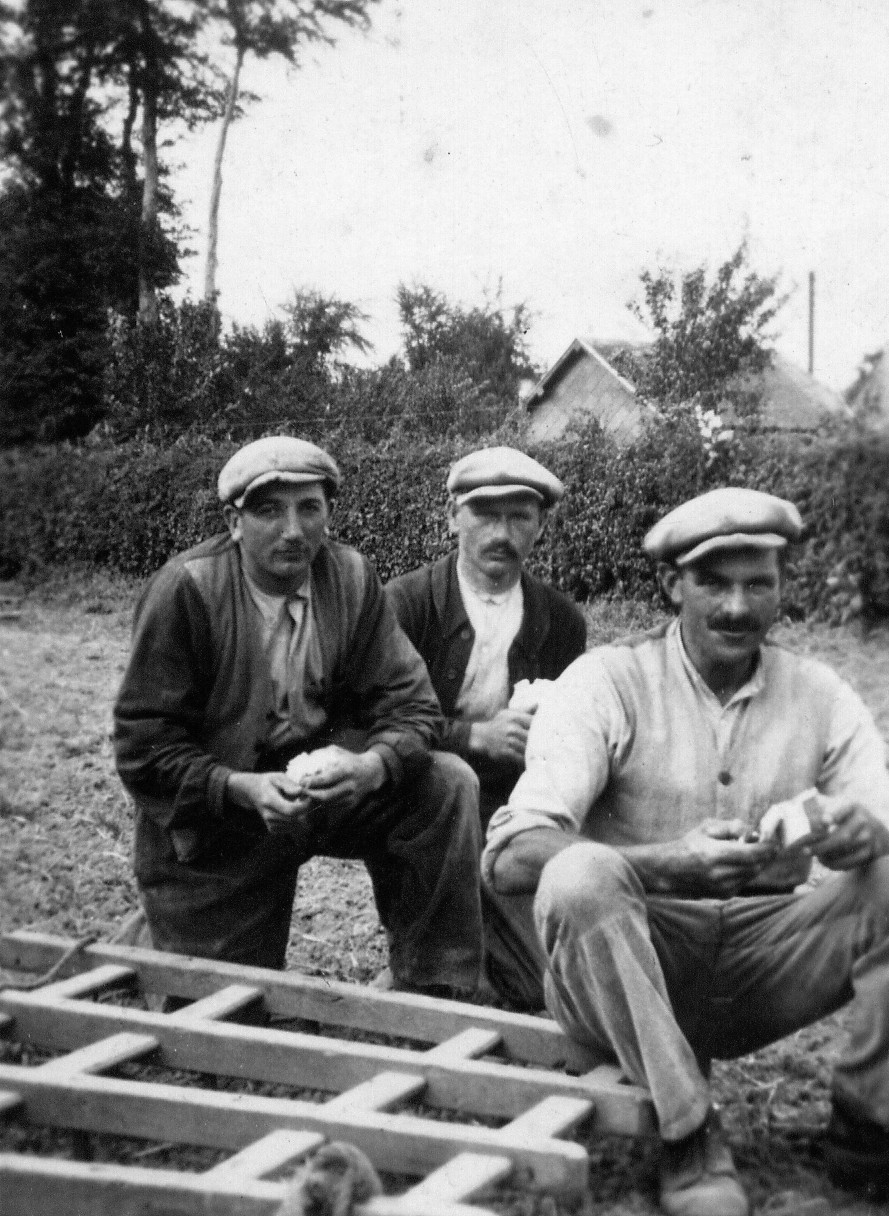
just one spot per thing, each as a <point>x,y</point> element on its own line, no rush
<point>562,146</point>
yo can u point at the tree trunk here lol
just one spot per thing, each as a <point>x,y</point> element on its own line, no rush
<point>231,101</point>
<point>148,227</point>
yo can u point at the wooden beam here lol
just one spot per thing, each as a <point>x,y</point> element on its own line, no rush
<point>99,1057</point>
<point>233,998</point>
<point>399,1142</point>
<point>37,1186</point>
<point>469,1044</point>
<point>87,982</point>
<point>381,1092</point>
<point>527,1038</point>
<point>314,1061</point>
<point>463,1177</point>
<point>273,1152</point>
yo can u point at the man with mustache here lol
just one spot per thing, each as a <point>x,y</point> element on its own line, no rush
<point>482,624</point>
<point>271,648</point>
<point>668,906</point>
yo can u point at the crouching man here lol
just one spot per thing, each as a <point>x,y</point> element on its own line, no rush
<point>675,792</point>
<point>263,644</point>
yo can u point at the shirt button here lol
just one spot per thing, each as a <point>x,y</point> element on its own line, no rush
<point>465,631</point>
<point>725,777</point>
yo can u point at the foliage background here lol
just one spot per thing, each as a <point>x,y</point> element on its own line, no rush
<point>127,507</point>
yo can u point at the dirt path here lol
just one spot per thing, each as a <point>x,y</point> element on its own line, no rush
<point>64,867</point>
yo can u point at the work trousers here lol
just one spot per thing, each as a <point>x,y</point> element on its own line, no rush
<point>663,985</point>
<point>420,844</point>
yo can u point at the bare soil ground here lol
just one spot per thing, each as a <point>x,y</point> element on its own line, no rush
<point>64,868</point>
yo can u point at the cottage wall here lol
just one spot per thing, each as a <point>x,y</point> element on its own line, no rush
<point>586,388</point>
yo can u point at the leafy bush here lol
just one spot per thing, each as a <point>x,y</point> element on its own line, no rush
<point>129,507</point>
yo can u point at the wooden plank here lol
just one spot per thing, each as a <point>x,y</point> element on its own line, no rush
<point>314,1061</point>
<point>36,1186</point>
<point>86,982</point>
<point>9,1101</point>
<point>381,1092</point>
<point>400,1142</point>
<point>222,1004</point>
<point>467,1045</point>
<point>461,1178</point>
<point>552,1117</point>
<point>272,1152</point>
<point>40,1186</point>
<point>101,1056</point>
<point>527,1038</point>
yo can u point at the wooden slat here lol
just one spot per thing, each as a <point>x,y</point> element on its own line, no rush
<point>272,1152</point>
<point>467,1045</point>
<point>381,1092</point>
<point>86,982</point>
<point>34,1186</point>
<point>552,1117</point>
<point>461,1178</point>
<point>222,1004</point>
<point>314,1061</point>
<point>101,1056</point>
<point>9,1101</point>
<point>400,1142</point>
<point>527,1038</point>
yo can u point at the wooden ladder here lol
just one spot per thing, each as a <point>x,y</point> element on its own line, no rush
<point>519,1074</point>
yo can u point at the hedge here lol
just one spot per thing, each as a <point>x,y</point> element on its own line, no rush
<point>129,507</point>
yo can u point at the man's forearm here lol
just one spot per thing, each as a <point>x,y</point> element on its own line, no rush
<point>517,868</point>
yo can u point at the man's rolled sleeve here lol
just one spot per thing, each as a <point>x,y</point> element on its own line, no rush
<point>571,744</point>
<point>855,757</point>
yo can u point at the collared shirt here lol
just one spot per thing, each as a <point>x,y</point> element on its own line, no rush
<point>495,619</point>
<point>631,747</point>
<point>294,657</point>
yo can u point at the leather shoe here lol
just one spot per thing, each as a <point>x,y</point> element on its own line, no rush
<point>698,1176</point>
<point>857,1153</point>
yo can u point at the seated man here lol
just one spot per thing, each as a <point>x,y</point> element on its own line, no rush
<point>261,644</point>
<point>666,899</point>
<point>482,623</point>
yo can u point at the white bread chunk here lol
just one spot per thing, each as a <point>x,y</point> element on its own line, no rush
<point>311,764</point>
<point>794,823</point>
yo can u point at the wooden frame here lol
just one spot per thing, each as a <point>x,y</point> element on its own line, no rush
<point>518,1073</point>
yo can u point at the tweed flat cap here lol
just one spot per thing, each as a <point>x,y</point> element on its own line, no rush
<point>728,518</point>
<point>276,458</point>
<point>495,472</point>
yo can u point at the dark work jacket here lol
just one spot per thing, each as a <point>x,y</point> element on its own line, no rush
<point>430,610</point>
<point>196,700</point>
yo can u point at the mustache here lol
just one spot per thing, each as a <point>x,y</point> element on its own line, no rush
<point>501,549</point>
<point>733,624</point>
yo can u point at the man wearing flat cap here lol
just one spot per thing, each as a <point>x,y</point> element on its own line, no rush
<point>484,626</point>
<point>256,656</point>
<point>676,789</point>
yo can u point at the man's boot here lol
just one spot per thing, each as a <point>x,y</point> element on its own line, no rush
<point>698,1176</point>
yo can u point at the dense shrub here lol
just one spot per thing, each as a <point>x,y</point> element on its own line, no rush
<point>129,507</point>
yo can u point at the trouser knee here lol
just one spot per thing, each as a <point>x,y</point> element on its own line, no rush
<point>583,884</point>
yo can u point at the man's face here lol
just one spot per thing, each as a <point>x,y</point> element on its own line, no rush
<point>497,534</point>
<point>280,528</point>
<point>727,603</point>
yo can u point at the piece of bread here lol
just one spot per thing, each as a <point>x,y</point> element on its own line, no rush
<point>311,764</point>
<point>795,823</point>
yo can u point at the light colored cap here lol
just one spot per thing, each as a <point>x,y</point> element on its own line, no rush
<point>728,518</point>
<point>276,458</point>
<point>496,472</point>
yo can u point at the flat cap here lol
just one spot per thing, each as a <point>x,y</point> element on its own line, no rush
<point>276,458</point>
<point>728,518</point>
<point>495,472</point>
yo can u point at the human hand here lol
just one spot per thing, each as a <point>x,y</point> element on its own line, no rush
<point>503,737</point>
<point>854,837</point>
<point>713,859</point>
<point>340,779</point>
<point>276,797</point>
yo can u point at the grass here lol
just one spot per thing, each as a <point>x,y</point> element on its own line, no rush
<point>65,867</point>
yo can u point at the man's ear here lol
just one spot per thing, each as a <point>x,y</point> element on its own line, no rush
<point>452,517</point>
<point>670,579</point>
<point>233,519</point>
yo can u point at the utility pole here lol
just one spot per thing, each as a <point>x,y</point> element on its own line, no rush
<point>811,322</point>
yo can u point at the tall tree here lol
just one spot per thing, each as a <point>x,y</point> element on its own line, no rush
<point>263,28</point>
<point>488,342</point>
<point>708,330</point>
